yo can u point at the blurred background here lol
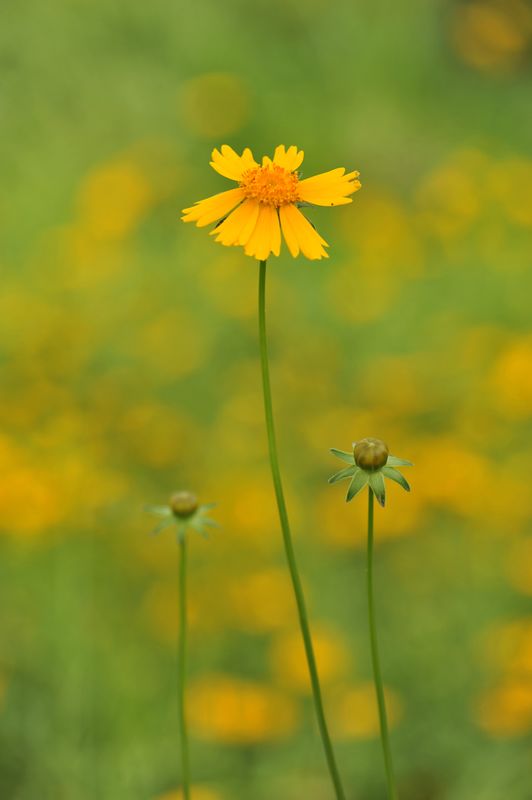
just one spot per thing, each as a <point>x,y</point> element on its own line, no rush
<point>129,369</point>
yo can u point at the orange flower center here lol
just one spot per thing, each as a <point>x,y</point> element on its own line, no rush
<point>271,185</point>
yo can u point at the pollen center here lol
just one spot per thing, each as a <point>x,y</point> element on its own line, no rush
<point>271,185</point>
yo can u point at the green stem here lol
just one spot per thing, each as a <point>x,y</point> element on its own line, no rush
<point>385,736</point>
<point>288,545</point>
<point>182,666</point>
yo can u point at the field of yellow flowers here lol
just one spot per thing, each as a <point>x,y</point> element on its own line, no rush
<point>130,369</point>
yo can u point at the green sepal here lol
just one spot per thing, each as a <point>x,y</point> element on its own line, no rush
<point>376,482</point>
<point>344,473</point>
<point>198,527</point>
<point>210,523</point>
<point>162,526</point>
<point>181,532</point>
<point>347,457</point>
<point>360,479</point>
<point>161,511</point>
<point>393,461</point>
<point>395,475</point>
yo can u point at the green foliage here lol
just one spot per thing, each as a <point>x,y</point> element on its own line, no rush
<point>129,356</point>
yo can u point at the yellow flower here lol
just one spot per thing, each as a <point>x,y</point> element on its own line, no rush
<point>267,202</point>
<point>238,711</point>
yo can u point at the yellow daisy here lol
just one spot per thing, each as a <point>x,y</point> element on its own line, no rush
<point>268,200</point>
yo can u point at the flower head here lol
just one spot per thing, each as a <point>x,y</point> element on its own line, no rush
<point>267,202</point>
<point>183,511</point>
<point>370,463</point>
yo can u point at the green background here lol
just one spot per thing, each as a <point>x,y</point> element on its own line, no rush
<point>129,358</point>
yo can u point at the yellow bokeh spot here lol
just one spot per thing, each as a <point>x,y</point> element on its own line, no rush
<point>384,235</point>
<point>449,200</point>
<point>155,434</point>
<point>231,290</point>
<point>263,601</point>
<point>30,496</point>
<point>42,484</point>
<point>215,104</point>
<point>507,648</point>
<point>345,524</point>
<point>113,199</point>
<point>336,426</point>
<point>448,474</point>
<point>355,714</point>
<point>238,711</point>
<point>511,379</point>
<point>510,182</point>
<point>196,793</point>
<point>361,295</point>
<point>506,710</point>
<point>289,665</point>
<point>492,35</point>
<point>172,343</point>
<point>399,381</point>
<point>249,510</point>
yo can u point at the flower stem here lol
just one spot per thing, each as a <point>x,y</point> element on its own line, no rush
<point>288,545</point>
<point>385,737</point>
<point>182,665</point>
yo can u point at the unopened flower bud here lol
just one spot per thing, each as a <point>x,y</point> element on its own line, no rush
<point>183,504</point>
<point>370,454</point>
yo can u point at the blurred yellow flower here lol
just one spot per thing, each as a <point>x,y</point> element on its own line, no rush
<point>248,510</point>
<point>345,526</point>
<point>196,793</point>
<point>361,294</point>
<point>238,711</point>
<point>172,343</point>
<point>159,610</point>
<point>288,664</point>
<point>267,202</point>
<point>356,714</point>
<point>214,104</point>
<point>221,281</point>
<point>113,199</point>
<point>510,182</point>
<point>262,601</point>
<point>30,501</point>
<point>506,710</point>
<point>452,475</point>
<point>385,237</point>
<point>511,379</point>
<point>154,433</point>
<point>507,648</point>
<point>492,35</point>
<point>448,199</point>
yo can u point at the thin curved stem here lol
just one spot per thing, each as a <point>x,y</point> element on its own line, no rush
<point>385,736</point>
<point>182,666</point>
<point>288,545</point>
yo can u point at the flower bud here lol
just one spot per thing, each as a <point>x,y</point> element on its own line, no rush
<point>183,504</point>
<point>370,454</point>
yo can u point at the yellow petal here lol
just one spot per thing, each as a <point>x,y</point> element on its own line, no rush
<point>290,159</point>
<point>308,239</point>
<point>266,236</point>
<point>212,208</point>
<point>288,233</point>
<point>330,188</point>
<point>239,225</point>
<point>230,164</point>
